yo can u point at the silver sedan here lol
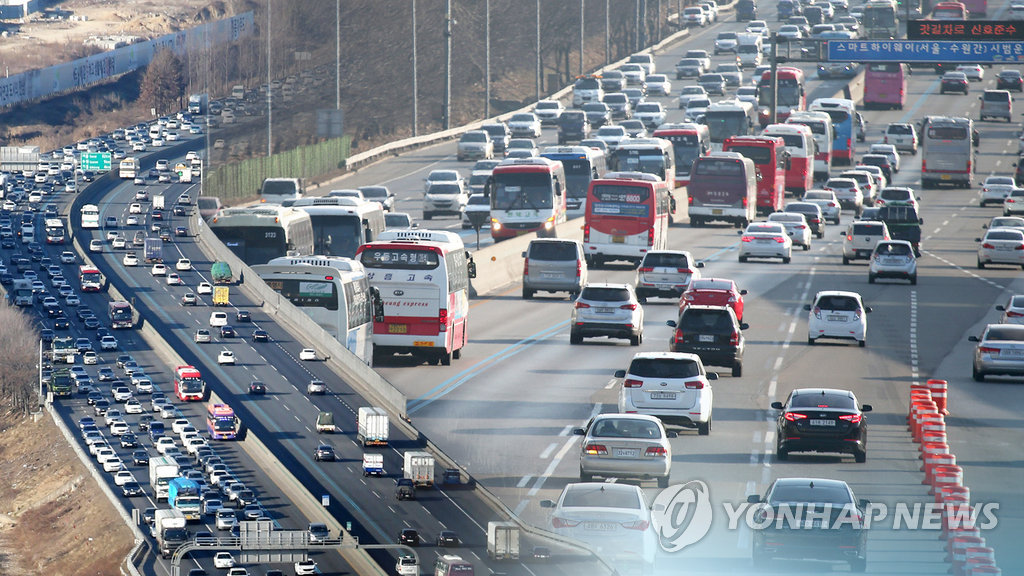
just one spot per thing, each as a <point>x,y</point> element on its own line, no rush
<point>1000,351</point>
<point>625,446</point>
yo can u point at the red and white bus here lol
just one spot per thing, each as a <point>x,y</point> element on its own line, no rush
<point>820,124</point>
<point>627,216</point>
<point>689,141</point>
<point>423,279</point>
<point>188,384</point>
<point>770,161</point>
<point>90,279</point>
<point>951,11</point>
<point>120,313</point>
<point>221,422</point>
<point>792,93</point>
<point>527,195</point>
<point>885,85</point>
<point>800,146</point>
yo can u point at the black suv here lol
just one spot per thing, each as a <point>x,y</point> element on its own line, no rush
<point>572,125</point>
<point>711,332</point>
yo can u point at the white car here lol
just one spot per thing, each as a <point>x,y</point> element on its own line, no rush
<point>443,176</point>
<point>582,512</point>
<point>223,560</point>
<point>132,406</point>
<point>131,220</point>
<point>1001,246</point>
<point>995,189</point>
<point>67,257</point>
<point>130,259</point>
<point>178,425</point>
<point>688,92</point>
<point>226,357</point>
<point>113,464</point>
<point>890,152</point>
<point>174,280</point>
<point>902,136</point>
<point>218,319</point>
<point>135,208</point>
<point>789,32</point>
<point>90,357</point>
<point>973,71</point>
<point>108,342</point>
<point>758,27</point>
<point>203,336</point>
<point>612,135</point>
<point>828,202</point>
<point>671,386</point>
<point>796,226</point>
<point>765,240</point>
<point>95,246</point>
<point>119,243</point>
<point>305,567</point>
<point>659,84</point>
<point>652,114</point>
<point>307,354</point>
<point>204,288</point>
<point>138,146</point>
<point>164,443</point>
<point>121,477</point>
<point>525,125</point>
<point>838,314</point>
<point>158,270</point>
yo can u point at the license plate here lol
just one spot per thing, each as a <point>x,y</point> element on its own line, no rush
<point>663,395</point>
<point>706,338</point>
<point>823,422</point>
<point>1002,247</point>
<point>398,328</point>
<point>946,176</point>
<point>599,526</point>
<point>833,318</point>
<point>551,275</point>
<point>603,310</point>
<point>423,343</point>
<point>1012,353</point>
<point>618,239</point>
<point>716,211</point>
<point>627,452</point>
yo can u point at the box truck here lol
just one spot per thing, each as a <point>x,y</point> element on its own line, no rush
<point>372,426</point>
<point>419,467</point>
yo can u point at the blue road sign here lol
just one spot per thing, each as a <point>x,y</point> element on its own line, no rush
<point>928,51</point>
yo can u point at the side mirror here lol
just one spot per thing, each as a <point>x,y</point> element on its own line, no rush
<point>864,502</point>
<point>739,232</point>
<point>671,323</point>
<point>743,292</point>
<point>752,499</point>
<point>1001,308</point>
<point>744,326</point>
<point>669,434</point>
<point>777,405</point>
<point>867,309</point>
<point>920,220</point>
<point>471,268</point>
<point>807,307</point>
<point>712,375</point>
<point>984,226</point>
<point>865,408</point>
<point>578,432</point>
<point>547,504</point>
<point>699,264</point>
<point>977,239</point>
<point>620,374</point>
<point>973,339</point>
<point>524,253</point>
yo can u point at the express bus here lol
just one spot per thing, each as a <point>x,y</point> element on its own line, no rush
<point>54,230</point>
<point>791,91</point>
<point>334,292</point>
<point>221,422</point>
<point>89,278</point>
<point>581,164</point>
<point>768,153</point>
<point>128,168</point>
<point>90,216</point>
<point>948,152</point>
<point>423,278</point>
<point>258,234</point>
<point>727,118</point>
<point>689,141</point>
<point>527,195</point>
<point>799,142</point>
<point>951,11</point>
<point>880,20</point>
<point>844,126</point>
<point>821,127</point>
<point>120,314</point>
<point>188,384</point>
<point>627,216</point>
<point>648,155</point>
<point>885,85</point>
<point>340,225</point>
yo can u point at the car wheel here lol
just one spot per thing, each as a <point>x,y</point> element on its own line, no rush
<point>527,293</point>
<point>786,259</point>
<point>575,338</point>
<point>445,359</point>
<point>871,278</point>
<point>808,246</point>
<point>456,354</point>
<point>635,340</point>
<point>663,482</point>
<point>977,375</point>
<point>781,454</point>
<point>862,343</point>
<point>913,280</point>
<point>859,565</point>
<point>860,456</point>
<point>737,369</point>
<point>704,428</point>
<point>584,477</point>
<point>810,341</point>
<point>742,258</point>
<point>846,260</point>
<point>981,265</point>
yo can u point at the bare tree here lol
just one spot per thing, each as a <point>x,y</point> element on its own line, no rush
<point>163,86</point>
<point>19,342</point>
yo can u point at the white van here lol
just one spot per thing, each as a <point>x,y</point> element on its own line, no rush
<point>218,319</point>
<point>749,50</point>
<point>28,233</point>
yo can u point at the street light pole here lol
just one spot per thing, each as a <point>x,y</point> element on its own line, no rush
<point>607,32</point>
<point>337,67</point>
<point>582,9</point>
<point>447,64</point>
<point>538,49</point>
<point>270,112</point>
<point>487,59</point>
<point>415,78</point>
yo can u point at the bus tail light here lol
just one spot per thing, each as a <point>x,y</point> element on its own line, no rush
<point>924,165</point>
<point>586,232</point>
<point>744,201</point>
<point>849,145</point>
<point>650,237</point>
<point>442,320</point>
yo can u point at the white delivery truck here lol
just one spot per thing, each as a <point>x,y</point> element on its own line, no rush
<point>162,469</point>
<point>158,201</point>
<point>169,529</point>
<point>419,468</point>
<point>502,541</point>
<point>372,426</point>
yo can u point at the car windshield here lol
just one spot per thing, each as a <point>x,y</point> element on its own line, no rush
<point>1004,235</point>
<point>625,428</point>
<point>664,368</point>
<point>900,129</point>
<point>606,294</point>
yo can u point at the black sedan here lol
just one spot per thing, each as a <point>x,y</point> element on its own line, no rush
<point>260,336</point>
<point>448,538</point>
<point>954,82</point>
<point>132,489</point>
<point>257,388</point>
<point>61,324</point>
<point>821,420</point>
<point>409,537</point>
<point>1010,80</point>
<point>140,458</point>
<point>227,332</point>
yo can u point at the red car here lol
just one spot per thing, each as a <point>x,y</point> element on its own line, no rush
<point>714,292</point>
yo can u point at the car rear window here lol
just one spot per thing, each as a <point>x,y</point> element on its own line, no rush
<point>605,294</point>
<point>900,129</point>
<point>825,400</point>
<point>810,492</point>
<point>839,303</point>
<point>591,496</point>
<point>553,251</point>
<point>625,428</point>
<point>711,284</point>
<point>892,249</point>
<point>1008,333</point>
<point>705,320</point>
<point>889,194</point>
<point>996,96</point>
<point>1017,301</point>
<point>661,260</point>
<point>1004,235</point>
<point>664,368</point>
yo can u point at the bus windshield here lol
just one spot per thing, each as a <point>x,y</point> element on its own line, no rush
<point>719,167</point>
<point>725,124</point>
<point>189,385</point>
<point>947,133</point>
<point>578,174</point>
<point>789,93</point>
<point>221,424</point>
<point>522,191</point>
<point>336,234</point>
<point>650,162</point>
<point>254,244</point>
<point>686,149</point>
<point>879,17</point>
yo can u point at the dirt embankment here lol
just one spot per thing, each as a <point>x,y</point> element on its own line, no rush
<point>53,517</point>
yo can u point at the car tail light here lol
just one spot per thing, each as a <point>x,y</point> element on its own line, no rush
<point>526,267</point>
<point>853,418</point>
<point>684,271</point>
<point>849,144</point>
<point>780,239</point>
<point>1021,247</point>
<point>678,337</point>
<point>988,350</point>
<point>655,451</point>
<point>632,383</point>
<point>1011,314</point>
<point>857,313</point>
<point>734,339</point>
<point>885,140</point>
<point>636,525</point>
<point>794,416</point>
<point>988,246</point>
<point>849,237</point>
<point>647,269</point>
<point>586,232</point>
<point>596,450</point>
<point>688,297</point>
<point>747,239</point>
<point>694,385</point>
<point>817,312</point>
<point>924,165</point>
<point>557,522</point>
<point>582,305</point>
<point>442,320</point>
<point>690,200</point>
<point>802,227</point>
<point>579,268</point>
<point>628,307</point>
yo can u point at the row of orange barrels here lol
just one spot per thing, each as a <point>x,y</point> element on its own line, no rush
<point>965,546</point>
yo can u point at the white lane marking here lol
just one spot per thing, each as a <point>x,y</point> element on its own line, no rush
<point>566,431</point>
<point>524,481</point>
<point>610,384</point>
<point>551,467</point>
<point>546,453</point>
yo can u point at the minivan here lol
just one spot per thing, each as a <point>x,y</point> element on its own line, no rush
<point>711,332</point>
<point>996,104</point>
<point>554,265</point>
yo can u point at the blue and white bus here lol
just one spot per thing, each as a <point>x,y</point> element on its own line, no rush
<point>581,164</point>
<point>844,126</point>
<point>333,291</point>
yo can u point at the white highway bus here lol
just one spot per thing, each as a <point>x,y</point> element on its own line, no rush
<point>258,234</point>
<point>341,225</point>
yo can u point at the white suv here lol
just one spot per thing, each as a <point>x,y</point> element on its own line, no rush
<point>671,386</point>
<point>837,314</point>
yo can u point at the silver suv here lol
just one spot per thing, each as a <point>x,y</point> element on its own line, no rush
<point>554,265</point>
<point>607,310</point>
<point>666,273</point>
<point>893,259</point>
<point>860,239</point>
<point>444,198</point>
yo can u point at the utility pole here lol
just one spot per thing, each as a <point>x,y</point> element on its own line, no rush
<point>607,32</point>
<point>582,3</point>
<point>487,58</point>
<point>270,88</point>
<point>447,64</point>
<point>636,26</point>
<point>415,78</point>
<point>337,66</point>
<point>773,109</point>
<point>538,50</point>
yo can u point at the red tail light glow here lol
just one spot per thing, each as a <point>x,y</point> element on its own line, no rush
<point>647,269</point>
<point>526,267</point>
<point>988,350</point>
<point>557,522</point>
<point>628,307</point>
<point>853,418</point>
<point>442,321</point>
<point>632,383</point>
<point>794,416</point>
<point>747,239</point>
<point>586,232</point>
<point>780,239</point>
<point>1021,247</point>
<point>694,385</point>
<point>1011,314</point>
<point>734,339</point>
<point>988,246</point>
<point>596,449</point>
<point>849,237</point>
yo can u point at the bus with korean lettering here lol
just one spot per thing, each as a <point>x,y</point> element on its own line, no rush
<point>423,280</point>
<point>221,422</point>
<point>627,216</point>
<point>770,163</point>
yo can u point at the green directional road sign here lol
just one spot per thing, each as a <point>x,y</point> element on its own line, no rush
<point>96,161</point>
